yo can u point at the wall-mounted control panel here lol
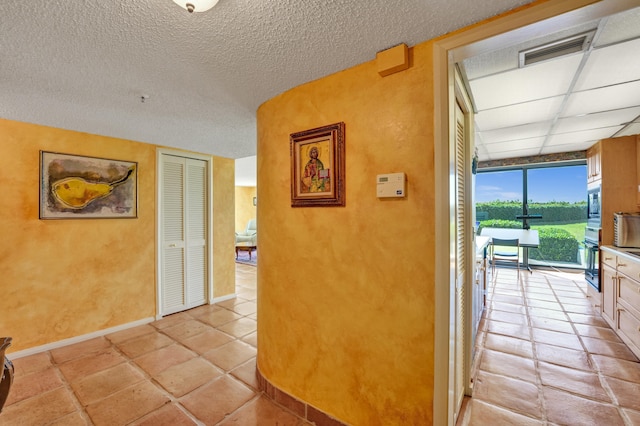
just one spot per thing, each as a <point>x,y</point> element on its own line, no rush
<point>391,185</point>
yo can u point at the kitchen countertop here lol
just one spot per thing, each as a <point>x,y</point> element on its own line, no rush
<point>629,253</point>
<point>481,243</point>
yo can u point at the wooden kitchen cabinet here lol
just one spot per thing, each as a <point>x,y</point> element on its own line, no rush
<point>621,295</point>
<point>593,163</point>
<point>628,303</point>
<point>609,287</point>
<point>613,167</point>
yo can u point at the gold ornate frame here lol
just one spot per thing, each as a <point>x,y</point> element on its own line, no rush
<point>317,167</point>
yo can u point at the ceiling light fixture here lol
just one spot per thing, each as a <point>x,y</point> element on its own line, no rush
<point>196,5</point>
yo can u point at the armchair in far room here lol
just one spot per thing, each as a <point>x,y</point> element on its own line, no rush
<point>249,235</point>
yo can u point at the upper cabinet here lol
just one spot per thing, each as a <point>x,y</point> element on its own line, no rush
<point>612,164</point>
<point>594,163</point>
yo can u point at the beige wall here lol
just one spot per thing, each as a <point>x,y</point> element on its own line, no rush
<point>66,278</point>
<point>346,318</point>
<point>245,210</point>
<point>224,241</point>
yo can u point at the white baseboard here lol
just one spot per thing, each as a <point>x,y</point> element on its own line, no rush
<point>211,302</point>
<point>77,339</point>
<point>223,298</point>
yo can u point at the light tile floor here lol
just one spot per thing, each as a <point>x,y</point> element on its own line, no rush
<point>192,368</point>
<point>546,357</point>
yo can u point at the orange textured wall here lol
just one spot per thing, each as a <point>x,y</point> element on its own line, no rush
<point>67,278</point>
<point>346,294</point>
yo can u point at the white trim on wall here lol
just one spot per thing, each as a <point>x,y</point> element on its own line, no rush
<point>78,339</point>
<point>223,298</point>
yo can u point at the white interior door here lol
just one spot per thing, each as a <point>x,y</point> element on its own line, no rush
<point>184,242</point>
<point>461,263</point>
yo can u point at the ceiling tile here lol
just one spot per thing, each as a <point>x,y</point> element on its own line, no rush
<point>596,120</point>
<point>609,65</point>
<point>633,129</point>
<point>604,99</point>
<point>619,27</point>
<point>516,115</point>
<point>506,58</point>
<point>514,133</point>
<point>587,135</point>
<point>495,149</point>
<point>537,81</point>
<point>570,147</point>
<point>515,153</point>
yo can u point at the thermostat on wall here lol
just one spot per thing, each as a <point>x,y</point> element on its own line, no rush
<point>391,185</point>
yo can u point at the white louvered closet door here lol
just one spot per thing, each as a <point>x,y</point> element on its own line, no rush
<point>461,260</point>
<point>184,234</point>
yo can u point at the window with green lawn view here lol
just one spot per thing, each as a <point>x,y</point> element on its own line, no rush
<point>553,196</point>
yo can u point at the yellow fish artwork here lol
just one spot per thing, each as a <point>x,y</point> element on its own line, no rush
<point>77,193</point>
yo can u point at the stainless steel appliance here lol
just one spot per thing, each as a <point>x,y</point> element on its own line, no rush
<point>626,230</point>
<point>592,250</point>
<point>593,206</point>
<point>592,237</point>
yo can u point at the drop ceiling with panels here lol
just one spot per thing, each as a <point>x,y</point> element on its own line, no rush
<point>558,105</point>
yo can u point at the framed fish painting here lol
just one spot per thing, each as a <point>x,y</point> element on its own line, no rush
<point>78,187</point>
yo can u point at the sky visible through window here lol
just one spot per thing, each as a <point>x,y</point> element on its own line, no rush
<point>547,184</point>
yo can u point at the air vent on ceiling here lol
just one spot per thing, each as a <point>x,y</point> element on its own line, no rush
<point>566,46</point>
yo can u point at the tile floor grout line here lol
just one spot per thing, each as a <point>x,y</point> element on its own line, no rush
<point>528,415</point>
<point>172,399</point>
<point>146,376</point>
<point>601,377</point>
<point>176,400</point>
<point>534,355</point>
<point>595,369</point>
<point>67,384</point>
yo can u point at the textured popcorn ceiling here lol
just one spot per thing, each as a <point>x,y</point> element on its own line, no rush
<point>85,64</point>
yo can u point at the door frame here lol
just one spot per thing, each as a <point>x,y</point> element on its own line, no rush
<point>209,236</point>
<point>509,29</point>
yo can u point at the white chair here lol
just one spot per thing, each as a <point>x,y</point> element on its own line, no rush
<point>249,235</point>
<point>506,256</point>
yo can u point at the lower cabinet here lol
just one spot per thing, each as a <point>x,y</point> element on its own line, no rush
<point>629,330</point>
<point>609,287</point>
<point>620,284</point>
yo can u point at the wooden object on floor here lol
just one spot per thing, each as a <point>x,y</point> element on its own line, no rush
<point>248,247</point>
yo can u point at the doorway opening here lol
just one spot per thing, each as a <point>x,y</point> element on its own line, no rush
<point>509,30</point>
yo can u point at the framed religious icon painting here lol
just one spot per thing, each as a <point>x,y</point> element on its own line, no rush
<point>317,167</point>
